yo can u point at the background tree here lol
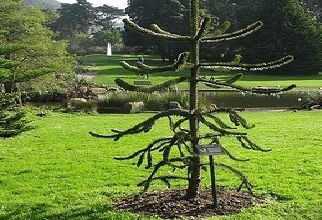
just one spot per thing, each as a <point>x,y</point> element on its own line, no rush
<point>172,15</point>
<point>289,29</point>
<point>44,4</point>
<point>78,22</point>
<point>314,7</point>
<point>288,23</point>
<point>41,54</point>
<point>112,36</point>
<point>181,151</point>
<point>104,16</point>
<point>12,120</point>
<point>81,17</point>
<point>74,19</point>
<point>81,44</point>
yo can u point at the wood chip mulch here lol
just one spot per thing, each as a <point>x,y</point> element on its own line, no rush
<point>171,204</point>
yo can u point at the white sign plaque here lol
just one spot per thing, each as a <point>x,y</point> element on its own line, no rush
<point>211,149</point>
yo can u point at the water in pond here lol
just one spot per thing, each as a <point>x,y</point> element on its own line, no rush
<point>246,100</point>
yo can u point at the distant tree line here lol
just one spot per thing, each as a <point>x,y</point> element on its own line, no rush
<point>86,26</point>
<point>44,4</point>
<point>290,27</point>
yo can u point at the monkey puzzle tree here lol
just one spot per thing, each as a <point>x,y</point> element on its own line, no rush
<point>182,150</point>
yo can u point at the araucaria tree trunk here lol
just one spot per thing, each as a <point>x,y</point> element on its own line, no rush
<point>186,140</point>
<point>194,171</point>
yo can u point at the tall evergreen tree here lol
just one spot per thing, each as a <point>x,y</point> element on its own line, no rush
<point>182,150</point>
<point>12,120</point>
<point>105,15</point>
<point>74,19</point>
<point>80,17</point>
<point>40,55</point>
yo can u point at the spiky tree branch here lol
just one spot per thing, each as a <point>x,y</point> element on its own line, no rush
<point>249,67</point>
<point>157,29</point>
<point>234,35</point>
<point>145,126</point>
<point>180,64</point>
<point>160,87</point>
<point>204,23</point>
<point>258,90</point>
<point>146,183</point>
<point>219,30</point>
<point>152,33</point>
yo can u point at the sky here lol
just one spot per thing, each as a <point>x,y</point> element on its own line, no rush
<point>116,3</point>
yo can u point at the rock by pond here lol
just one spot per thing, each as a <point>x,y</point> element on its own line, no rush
<point>133,107</point>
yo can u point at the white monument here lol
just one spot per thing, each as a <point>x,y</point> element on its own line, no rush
<point>109,49</point>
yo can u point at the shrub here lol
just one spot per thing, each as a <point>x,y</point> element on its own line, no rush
<point>153,102</point>
<point>85,107</point>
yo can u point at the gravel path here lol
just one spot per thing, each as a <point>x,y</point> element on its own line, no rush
<point>88,76</point>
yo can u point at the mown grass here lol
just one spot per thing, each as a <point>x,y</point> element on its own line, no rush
<point>108,69</point>
<point>58,171</point>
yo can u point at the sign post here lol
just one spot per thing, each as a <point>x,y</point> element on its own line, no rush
<point>212,150</point>
<point>213,180</point>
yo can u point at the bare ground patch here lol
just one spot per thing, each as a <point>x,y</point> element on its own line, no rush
<point>172,204</point>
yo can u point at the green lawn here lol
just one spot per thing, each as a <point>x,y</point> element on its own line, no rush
<point>108,69</point>
<point>58,171</point>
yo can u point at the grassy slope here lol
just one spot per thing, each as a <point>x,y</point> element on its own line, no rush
<point>108,69</point>
<point>57,171</point>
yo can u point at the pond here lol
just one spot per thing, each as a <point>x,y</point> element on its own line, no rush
<point>227,99</point>
<point>247,100</point>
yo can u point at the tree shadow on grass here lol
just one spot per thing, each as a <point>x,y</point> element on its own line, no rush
<point>40,212</point>
<point>45,211</point>
<point>22,211</point>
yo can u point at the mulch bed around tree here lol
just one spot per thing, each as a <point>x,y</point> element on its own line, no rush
<point>171,204</point>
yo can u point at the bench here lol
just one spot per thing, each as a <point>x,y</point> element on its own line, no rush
<point>142,83</point>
